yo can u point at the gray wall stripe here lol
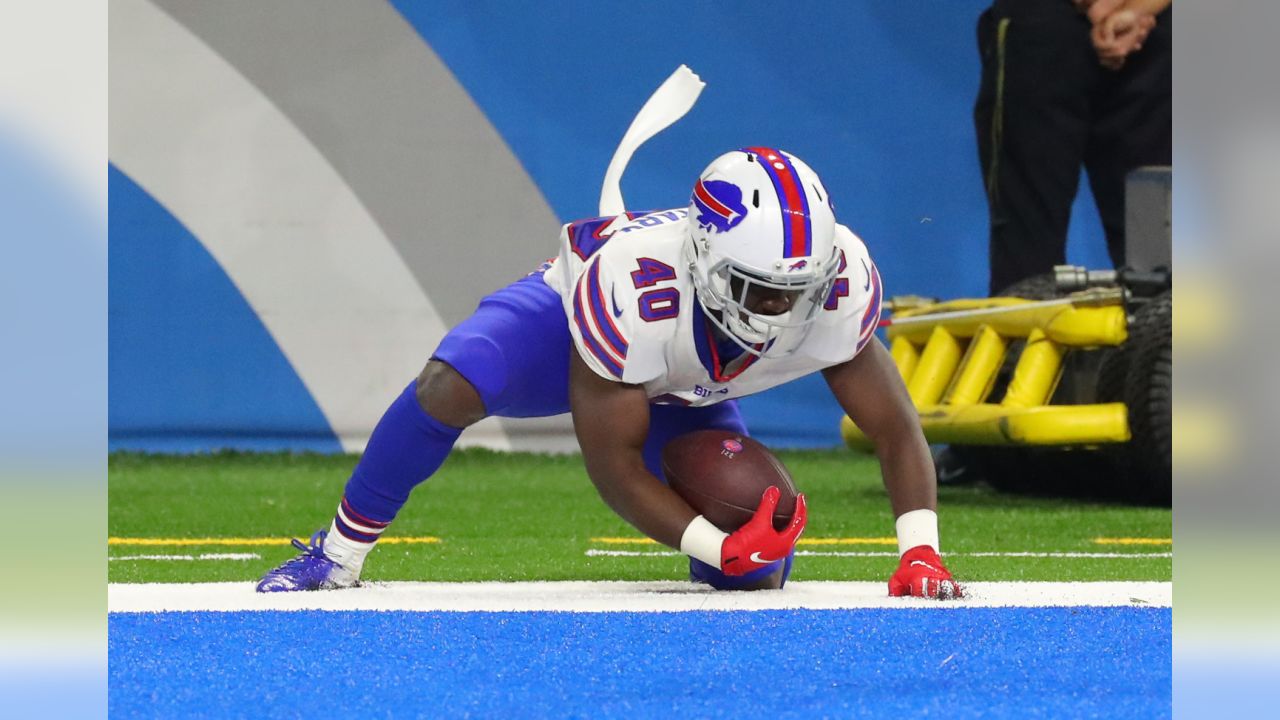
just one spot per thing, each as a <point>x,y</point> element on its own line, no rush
<point>390,117</point>
<point>361,84</point>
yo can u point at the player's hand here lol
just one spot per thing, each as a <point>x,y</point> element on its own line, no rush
<point>757,544</point>
<point>922,574</point>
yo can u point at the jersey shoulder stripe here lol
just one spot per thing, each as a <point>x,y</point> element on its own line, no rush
<point>585,237</point>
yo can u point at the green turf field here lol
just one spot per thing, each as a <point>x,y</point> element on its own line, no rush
<point>533,517</point>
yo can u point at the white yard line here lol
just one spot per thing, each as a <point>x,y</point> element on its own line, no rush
<point>871,553</point>
<point>205,556</point>
<point>620,597</point>
<point>1127,556</point>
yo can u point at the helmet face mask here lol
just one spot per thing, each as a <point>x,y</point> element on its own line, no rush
<point>761,226</point>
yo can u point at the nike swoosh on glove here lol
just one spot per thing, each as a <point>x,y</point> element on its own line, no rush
<point>757,544</point>
<point>922,574</point>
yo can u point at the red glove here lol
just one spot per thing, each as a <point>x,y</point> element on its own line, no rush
<point>757,544</point>
<point>922,574</point>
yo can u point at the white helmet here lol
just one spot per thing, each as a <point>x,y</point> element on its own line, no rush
<point>760,218</point>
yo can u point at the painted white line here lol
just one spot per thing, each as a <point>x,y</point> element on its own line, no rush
<point>1065,555</point>
<point>205,556</point>
<point>620,597</point>
<point>871,553</point>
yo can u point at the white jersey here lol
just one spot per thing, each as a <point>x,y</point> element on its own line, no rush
<point>635,317</point>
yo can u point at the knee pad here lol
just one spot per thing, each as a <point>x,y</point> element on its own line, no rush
<point>701,572</point>
<point>479,361</point>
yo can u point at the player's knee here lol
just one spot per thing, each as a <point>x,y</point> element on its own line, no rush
<point>772,581</point>
<point>762,579</point>
<point>447,396</point>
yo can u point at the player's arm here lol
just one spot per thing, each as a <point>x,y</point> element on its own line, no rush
<point>611,420</point>
<point>872,393</point>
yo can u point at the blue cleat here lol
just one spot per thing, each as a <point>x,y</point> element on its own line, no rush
<point>311,570</point>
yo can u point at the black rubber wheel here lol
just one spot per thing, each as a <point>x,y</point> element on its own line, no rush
<point>1088,377</point>
<point>1113,374</point>
<point>1148,393</point>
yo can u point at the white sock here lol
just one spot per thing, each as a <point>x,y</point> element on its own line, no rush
<point>350,554</point>
<point>351,537</point>
<point>915,528</point>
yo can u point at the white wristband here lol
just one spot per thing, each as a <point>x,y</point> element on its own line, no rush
<point>702,540</point>
<point>918,527</point>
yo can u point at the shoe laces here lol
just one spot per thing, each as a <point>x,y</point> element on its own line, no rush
<point>313,549</point>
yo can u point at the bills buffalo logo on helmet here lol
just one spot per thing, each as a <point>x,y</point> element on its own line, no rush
<point>719,204</point>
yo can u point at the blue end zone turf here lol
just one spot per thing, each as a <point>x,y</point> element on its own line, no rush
<point>1042,662</point>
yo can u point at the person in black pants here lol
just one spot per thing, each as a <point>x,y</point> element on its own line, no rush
<point>1067,83</point>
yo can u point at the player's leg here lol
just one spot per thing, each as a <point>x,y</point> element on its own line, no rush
<point>484,366</point>
<point>1134,127</point>
<point>667,422</point>
<point>509,358</point>
<point>409,443</point>
<point>1032,121</point>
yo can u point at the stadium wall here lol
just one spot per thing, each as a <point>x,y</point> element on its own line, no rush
<point>304,196</point>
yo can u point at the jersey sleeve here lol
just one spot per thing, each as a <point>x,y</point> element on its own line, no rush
<point>601,331</point>
<point>870,317</point>
<point>616,335</point>
<point>851,314</point>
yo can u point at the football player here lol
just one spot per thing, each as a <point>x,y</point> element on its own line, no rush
<point>647,327</point>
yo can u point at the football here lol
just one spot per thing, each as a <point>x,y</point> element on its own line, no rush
<point>722,475</point>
